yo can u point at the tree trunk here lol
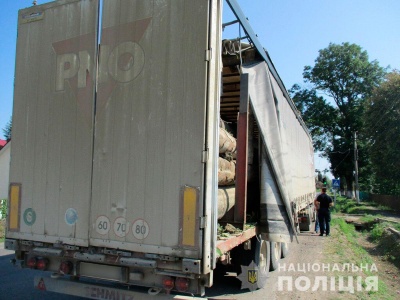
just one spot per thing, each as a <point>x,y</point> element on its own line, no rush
<point>226,200</point>
<point>226,172</point>
<point>227,143</point>
<point>349,184</point>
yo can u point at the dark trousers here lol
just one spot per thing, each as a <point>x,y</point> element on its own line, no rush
<point>324,217</point>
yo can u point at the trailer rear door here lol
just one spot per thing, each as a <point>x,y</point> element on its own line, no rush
<point>150,127</point>
<point>51,156</point>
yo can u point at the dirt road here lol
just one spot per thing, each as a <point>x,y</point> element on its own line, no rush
<point>310,250</point>
<point>322,268</point>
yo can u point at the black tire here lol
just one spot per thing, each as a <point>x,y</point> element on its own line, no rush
<point>275,255</point>
<point>307,226</point>
<point>284,250</point>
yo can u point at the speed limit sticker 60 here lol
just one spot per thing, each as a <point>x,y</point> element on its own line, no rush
<point>102,225</point>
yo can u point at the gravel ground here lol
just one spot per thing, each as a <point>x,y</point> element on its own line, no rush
<point>305,263</point>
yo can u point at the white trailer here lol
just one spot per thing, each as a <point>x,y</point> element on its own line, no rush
<point>114,164</point>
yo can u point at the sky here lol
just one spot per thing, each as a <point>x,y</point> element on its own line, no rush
<point>292,31</point>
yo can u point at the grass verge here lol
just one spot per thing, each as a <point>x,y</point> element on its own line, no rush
<point>2,230</point>
<point>3,212</point>
<point>346,249</point>
<point>375,245</point>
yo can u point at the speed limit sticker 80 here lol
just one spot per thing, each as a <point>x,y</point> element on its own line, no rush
<point>140,229</point>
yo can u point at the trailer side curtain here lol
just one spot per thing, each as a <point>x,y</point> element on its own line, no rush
<point>276,180</point>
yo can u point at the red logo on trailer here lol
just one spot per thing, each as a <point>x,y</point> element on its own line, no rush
<point>121,60</point>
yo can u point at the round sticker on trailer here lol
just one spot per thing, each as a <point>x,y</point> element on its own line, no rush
<point>121,227</point>
<point>102,225</point>
<point>29,216</point>
<point>71,216</point>
<point>140,229</point>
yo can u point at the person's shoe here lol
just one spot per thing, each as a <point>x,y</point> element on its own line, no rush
<point>328,234</point>
<point>321,234</point>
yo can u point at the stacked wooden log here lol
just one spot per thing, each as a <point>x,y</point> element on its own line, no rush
<point>226,171</point>
<point>226,162</point>
<point>226,199</point>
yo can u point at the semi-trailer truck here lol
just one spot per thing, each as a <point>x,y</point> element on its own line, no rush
<point>147,151</point>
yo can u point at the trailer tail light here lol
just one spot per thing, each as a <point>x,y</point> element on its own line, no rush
<point>31,263</point>
<point>182,284</point>
<point>168,283</point>
<point>66,267</point>
<point>42,263</point>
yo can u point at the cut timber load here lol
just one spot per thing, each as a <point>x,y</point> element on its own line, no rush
<point>227,143</point>
<point>226,172</point>
<point>226,200</point>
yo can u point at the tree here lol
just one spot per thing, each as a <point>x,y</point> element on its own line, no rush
<point>382,129</point>
<point>311,108</point>
<point>344,74</point>
<point>7,130</point>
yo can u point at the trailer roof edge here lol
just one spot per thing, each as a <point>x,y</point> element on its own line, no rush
<point>235,7</point>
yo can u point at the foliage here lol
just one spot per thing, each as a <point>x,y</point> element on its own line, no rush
<point>378,231</point>
<point>7,130</point>
<point>382,127</point>
<point>3,208</point>
<point>311,108</point>
<point>344,74</point>
<point>369,218</point>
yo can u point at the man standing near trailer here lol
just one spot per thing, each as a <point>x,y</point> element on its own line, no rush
<point>324,215</point>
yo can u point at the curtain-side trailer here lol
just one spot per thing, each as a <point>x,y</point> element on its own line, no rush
<point>147,151</point>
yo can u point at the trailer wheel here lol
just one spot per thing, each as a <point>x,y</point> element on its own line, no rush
<point>275,255</point>
<point>307,226</point>
<point>262,255</point>
<point>284,249</point>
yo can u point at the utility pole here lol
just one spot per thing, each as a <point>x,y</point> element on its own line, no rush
<point>356,167</point>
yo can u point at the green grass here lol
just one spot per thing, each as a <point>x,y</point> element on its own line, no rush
<point>377,231</point>
<point>2,230</point>
<point>388,248</point>
<point>383,207</point>
<point>368,218</point>
<point>357,255</point>
<point>3,208</point>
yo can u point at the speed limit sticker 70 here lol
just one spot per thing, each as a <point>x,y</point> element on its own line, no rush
<point>121,227</point>
<point>140,229</point>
